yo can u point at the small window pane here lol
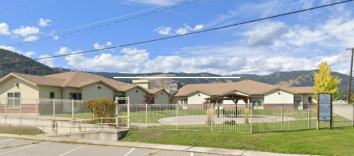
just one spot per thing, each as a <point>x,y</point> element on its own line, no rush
<point>17,95</point>
<point>10,94</point>
<point>51,95</point>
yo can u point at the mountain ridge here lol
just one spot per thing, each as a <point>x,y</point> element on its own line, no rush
<point>22,64</point>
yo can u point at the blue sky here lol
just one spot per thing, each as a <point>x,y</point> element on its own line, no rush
<point>39,28</point>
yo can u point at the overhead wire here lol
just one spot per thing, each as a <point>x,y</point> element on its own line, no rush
<point>98,30</point>
<point>106,24</point>
<point>190,33</point>
<point>28,7</point>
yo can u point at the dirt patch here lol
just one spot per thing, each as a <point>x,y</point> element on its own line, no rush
<point>20,130</point>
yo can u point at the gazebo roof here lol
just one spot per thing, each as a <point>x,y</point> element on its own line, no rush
<point>234,97</point>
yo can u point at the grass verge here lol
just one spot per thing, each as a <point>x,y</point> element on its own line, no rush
<point>20,130</point>
<point>337,141</point>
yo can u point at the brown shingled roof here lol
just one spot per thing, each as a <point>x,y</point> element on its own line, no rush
<point>300,90</point>
<point>246,86</point>
<point>74,79</point>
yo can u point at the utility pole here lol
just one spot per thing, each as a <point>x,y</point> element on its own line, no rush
<point>350,75</point>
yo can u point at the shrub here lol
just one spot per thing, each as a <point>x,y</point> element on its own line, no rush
<point>102,107</point>
<point>231,122</point>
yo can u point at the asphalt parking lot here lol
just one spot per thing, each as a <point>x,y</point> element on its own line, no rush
<point>18,147</point>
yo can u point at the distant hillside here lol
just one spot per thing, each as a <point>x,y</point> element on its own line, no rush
<point>290,79</point>
<point>14,62</point>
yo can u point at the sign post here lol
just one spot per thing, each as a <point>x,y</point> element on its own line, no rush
<point>324,108</point>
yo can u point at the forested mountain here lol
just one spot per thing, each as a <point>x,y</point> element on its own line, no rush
<point>14,62</point>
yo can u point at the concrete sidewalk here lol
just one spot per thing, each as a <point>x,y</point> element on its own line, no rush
<point>150,146</point>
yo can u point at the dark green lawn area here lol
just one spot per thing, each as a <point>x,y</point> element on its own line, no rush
<point>338,141</point>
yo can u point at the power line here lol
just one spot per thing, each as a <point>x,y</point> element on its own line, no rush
<point>29,7</point>
<point>110,19</point>
<point>107,24</point>
<point>197,32</point>
<point>86,33</point>
<point>191,33</point>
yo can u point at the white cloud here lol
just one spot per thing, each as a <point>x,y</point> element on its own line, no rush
<point>30,53</point>
<point>266,33</point>
<point>31,38</point>
<point>13,49</point>
<point>153,2</point>
<point>44,22</point>
<point>4,29</point>
<point>187,29</point>
<point>55,37</point>
<point>47,61</point>
<point>101,46</point>
<point>25,31</point>
<point>164,30</point>
<point>63,51</point>
<point>131,61</point>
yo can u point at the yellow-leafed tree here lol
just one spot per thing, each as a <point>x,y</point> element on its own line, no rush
<point>324,81</point>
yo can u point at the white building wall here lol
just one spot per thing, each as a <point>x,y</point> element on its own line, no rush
<point>197,98</point>
<point>136,97</point>
<point>279,97</point>
<point>92,92</point>
<point>162,98</point>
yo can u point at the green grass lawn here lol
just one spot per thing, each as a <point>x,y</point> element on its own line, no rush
<point>338,141</point>
<point>20,130</point>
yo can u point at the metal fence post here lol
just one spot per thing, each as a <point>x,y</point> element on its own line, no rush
<point>6,103</point>
<point>72,109</point>
<point>308,118</point>
<point>128,111</point>
<point>117,119</point>
<point>37,111</point>
<point>282,117</point>
<point>251,118</point>
<point>54,109</point>
<point>176,116</point>
<point>20,112</point>
<point>146,115</point>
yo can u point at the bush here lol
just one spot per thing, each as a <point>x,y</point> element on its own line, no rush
<point>101,108</point>
<point>231,122</point>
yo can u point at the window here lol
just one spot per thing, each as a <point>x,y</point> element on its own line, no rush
<point>257,101</point>
<point>309,100</point>
<point>14,99</point>
<point>297,101</point>
<point>185,101</point>
<point>75,96</point>
<point>51,95</point>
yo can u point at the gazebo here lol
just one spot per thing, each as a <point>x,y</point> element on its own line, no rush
<point>234,97</point>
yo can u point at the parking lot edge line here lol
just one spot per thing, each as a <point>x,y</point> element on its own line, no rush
<point>71,150</point>
<point>6,140</point>
<point>20,148</point>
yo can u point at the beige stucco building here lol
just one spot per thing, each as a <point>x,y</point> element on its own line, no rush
<point>83,86</point>
<point>262,95</point>
<point>76,86</point>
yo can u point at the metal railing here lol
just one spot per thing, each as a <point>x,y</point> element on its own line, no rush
<point>231,118</point>
<point>57,116</point>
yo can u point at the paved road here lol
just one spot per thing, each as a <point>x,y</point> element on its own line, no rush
<point>18,147</point>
